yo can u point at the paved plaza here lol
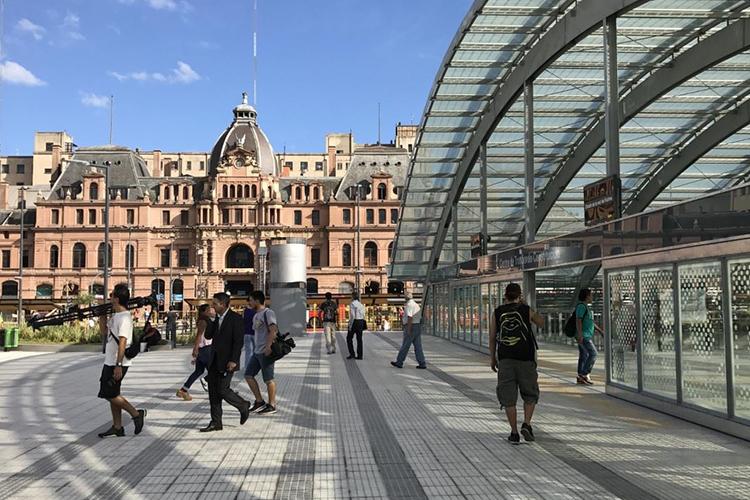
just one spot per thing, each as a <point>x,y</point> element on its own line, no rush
<point>350,429</point>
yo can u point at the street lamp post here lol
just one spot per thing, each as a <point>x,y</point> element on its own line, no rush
<point>358,239</point>
<point>171,285</point>
<point>107,165</point>
<point>22,206</point>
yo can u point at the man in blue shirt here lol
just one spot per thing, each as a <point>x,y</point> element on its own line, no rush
<point>585,326</point>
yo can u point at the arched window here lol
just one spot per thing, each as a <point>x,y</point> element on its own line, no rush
<point>100,256</point>
<point>254,190</point>
<point>130,256</point>
<point>381,191</point>
<point>94,191</point>
<point>167,192</point>
<point>54,257</point>
<point>316,193</point>
<point>176,189</point>
<point>232,192</point>
<point>371,254</point>
<point>298,193</point>
<point>594,252</point>
<point>79,256</point>
<point>70,290</point>
<point>185,193</point>
<point>390,250</point>
<point>157,286</point>
<point>225,191</point>
<point>10,289</point>
<point>178,290</point>
<point>240,257</point>
<point>346,255</point>
<point>312,286</point>
<point>247,191</point>
<point>346,287</point>
<point>372,288</point>
<point>44,291</point>
<point>97,290</point>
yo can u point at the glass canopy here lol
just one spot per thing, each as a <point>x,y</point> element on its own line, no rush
<point>683,80</point>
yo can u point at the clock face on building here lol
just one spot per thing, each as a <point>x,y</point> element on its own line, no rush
<point>239,162</point>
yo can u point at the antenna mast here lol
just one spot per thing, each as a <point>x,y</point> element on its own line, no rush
<point>111,116</point>
<point>378,123</point>
<point>255,53</point>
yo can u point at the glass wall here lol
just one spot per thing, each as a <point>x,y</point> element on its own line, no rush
<point>657,325</point>
<point>702,328</point>
<point>623,328</point>
<point>739,272</point>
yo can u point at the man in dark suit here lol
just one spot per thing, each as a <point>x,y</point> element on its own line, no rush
<point>227,332</point>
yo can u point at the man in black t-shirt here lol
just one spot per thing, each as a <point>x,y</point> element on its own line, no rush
<point>513,356</point>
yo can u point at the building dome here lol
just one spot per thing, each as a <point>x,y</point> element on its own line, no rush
<point>243,145</point>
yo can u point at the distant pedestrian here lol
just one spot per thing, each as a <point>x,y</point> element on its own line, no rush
<point>171,325</point>
<point>266,328</point>
<point>513,356</point>
<point>227,333</point>
<point>412,319</point>
<point>329,311</point>
<point>119,333</point>
<point>585,328</point>
<point>201,350</point>
<point>357,325</point>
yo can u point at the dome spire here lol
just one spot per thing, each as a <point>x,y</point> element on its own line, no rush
<point>244,112</point>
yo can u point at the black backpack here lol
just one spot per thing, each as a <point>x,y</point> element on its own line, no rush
<point>133,349</point>
<point>514,339</point>
<point>571,328</point>
<point>281,345</point>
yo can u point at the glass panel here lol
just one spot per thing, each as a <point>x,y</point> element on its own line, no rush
<point>486,315</point>
<point>739,273</point>
<point>475,321</point>
<point>703,358</point>
<point>623,327</point>
<point>458,329</point>
<point>657,325</point>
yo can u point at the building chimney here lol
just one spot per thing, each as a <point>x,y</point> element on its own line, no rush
<point>56,156</point>
<point>332,161</point>
<point>4,191</point>
<point>156,167</point>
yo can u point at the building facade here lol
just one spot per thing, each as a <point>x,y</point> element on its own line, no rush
<point>185,225</point>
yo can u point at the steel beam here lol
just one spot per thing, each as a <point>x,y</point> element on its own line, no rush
<point>704,142</point>
<point>528,139</point>
<point>709,52</point>
<point>611,97</point>
<point>577,23</point>
<point>483,194</point>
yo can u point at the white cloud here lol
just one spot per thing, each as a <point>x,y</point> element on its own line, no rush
<point>71,27</point>
<point>183,74</point>
<point>168,5</point>
<point>29,27</point>
<point>13,73</point>
<point>94,101</point>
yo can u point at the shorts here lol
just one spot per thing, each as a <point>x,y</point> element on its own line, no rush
<point>514,376</point>
<point>259,362</point>
<point>249,351</point>
<point>109,388</point>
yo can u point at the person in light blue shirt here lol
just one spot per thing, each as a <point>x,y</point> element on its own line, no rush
<point>586,327</point>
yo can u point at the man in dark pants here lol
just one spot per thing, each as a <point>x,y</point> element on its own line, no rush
<point>227,334</point>
<point>356,326</point>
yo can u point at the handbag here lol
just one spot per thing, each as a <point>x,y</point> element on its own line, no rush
<point>282,344</point>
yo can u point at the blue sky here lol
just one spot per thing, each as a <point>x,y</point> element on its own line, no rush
<point>177,67</point>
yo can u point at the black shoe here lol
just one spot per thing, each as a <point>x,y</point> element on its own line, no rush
<point>351,356</point>
<point>421,367</point>
<point>359,357</point>
<point>514,438</point>
<point>528,433</point>
<point>268,410</point>
<point>112,432</point>
<point>258,405</point>
<point>244,415</point>
<point>138,421</point>
<point>212,427</point>
<point>393,363</point>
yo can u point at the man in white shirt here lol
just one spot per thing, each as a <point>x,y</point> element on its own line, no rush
<point>357,325</point>
<point>412,334</point>
<point>119,332</point>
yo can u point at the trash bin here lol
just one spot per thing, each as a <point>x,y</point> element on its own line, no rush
<point>10,339</point>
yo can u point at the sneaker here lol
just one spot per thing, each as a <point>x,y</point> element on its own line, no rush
<point>258,405</point>
<point>393,363</point>
<point>528,433</point>
<point>204,384</point>
<point>514,438</point>
<point>267,410</point>
<point>587,380</point>
<point>138,421</point>
<point>421,367</point>
<point>580,380</point>
<point>112,432</point>
<point>185,395</point>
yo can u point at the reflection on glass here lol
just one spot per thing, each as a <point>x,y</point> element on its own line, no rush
<point>657,325</point>
<point>475,321</point>
<point>739,272</point>
<point>623,328</point>
<point>486,315</point>
<point>703,358</point>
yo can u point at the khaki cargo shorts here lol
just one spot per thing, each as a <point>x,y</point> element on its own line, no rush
<point>514,376</point>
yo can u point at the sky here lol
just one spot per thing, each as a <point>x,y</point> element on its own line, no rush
<point>176,68</point>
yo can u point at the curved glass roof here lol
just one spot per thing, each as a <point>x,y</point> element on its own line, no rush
<point>684,89</point>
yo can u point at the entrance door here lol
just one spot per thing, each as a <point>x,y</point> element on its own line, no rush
<point>240,288</point>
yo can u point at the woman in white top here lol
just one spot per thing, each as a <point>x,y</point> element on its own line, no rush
<point>201,350</point>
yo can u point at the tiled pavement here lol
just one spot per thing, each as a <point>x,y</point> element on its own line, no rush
<point>350,429</point>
